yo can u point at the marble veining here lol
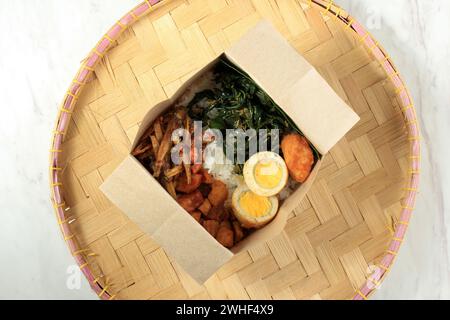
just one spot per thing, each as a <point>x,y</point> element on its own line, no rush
<point>42,44</point>
<point>416,35</point>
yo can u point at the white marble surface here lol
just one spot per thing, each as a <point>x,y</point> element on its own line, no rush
<point>41,46</point>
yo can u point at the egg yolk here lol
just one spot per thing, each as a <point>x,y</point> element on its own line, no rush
<point>255,205</point>
<point>268,174</point>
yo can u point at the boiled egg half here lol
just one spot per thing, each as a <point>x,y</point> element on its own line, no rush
<point>266,174</point>
<point>252,210</point>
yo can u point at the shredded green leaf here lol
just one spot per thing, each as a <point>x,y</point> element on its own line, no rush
<point>237,102</point>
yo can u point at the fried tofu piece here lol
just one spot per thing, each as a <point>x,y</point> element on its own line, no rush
<point>218,194</point>
<point>190,202</point>
<point>298,156</point>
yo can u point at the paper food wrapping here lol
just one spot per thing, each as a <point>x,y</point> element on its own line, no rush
<point>322,116</point>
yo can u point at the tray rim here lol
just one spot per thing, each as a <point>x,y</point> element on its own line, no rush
<point>328,8</point>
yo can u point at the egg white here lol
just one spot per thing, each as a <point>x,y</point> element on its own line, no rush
<point>247,220</point>
<point>249,173</point>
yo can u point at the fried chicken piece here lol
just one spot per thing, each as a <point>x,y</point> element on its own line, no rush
<point>184,186</point>
<point>190,202</point>
<point>197,215</point>
<point>298,156</point>
<point>225,235</point>
<point>218,194</point>
<point>226,214</point>
<point>238,232</point>
<point>205,207</point>
<point>207,178</point>
<point>216,212</point>
<point>196,168</point>
<point>205,189</point>
<point>212,226</point>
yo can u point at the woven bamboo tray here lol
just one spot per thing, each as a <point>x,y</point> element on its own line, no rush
<point>342,239</point>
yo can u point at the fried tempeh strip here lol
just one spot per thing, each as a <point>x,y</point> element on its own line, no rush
<point>165,146</point>
<point>145,155</point>
<point>173,172</point>
<point>187,165</point>
<point>158,130</point>
<point>187,125</point>
<point>155,145</point>
<point>187,169</point>
<point>147,133</point>
<point>170,187</point>
<point>141,149</point>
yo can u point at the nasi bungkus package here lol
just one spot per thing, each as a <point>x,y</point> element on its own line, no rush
<point>219,166</point>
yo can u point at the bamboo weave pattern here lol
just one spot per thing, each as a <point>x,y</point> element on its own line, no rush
<point>341,240</point>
